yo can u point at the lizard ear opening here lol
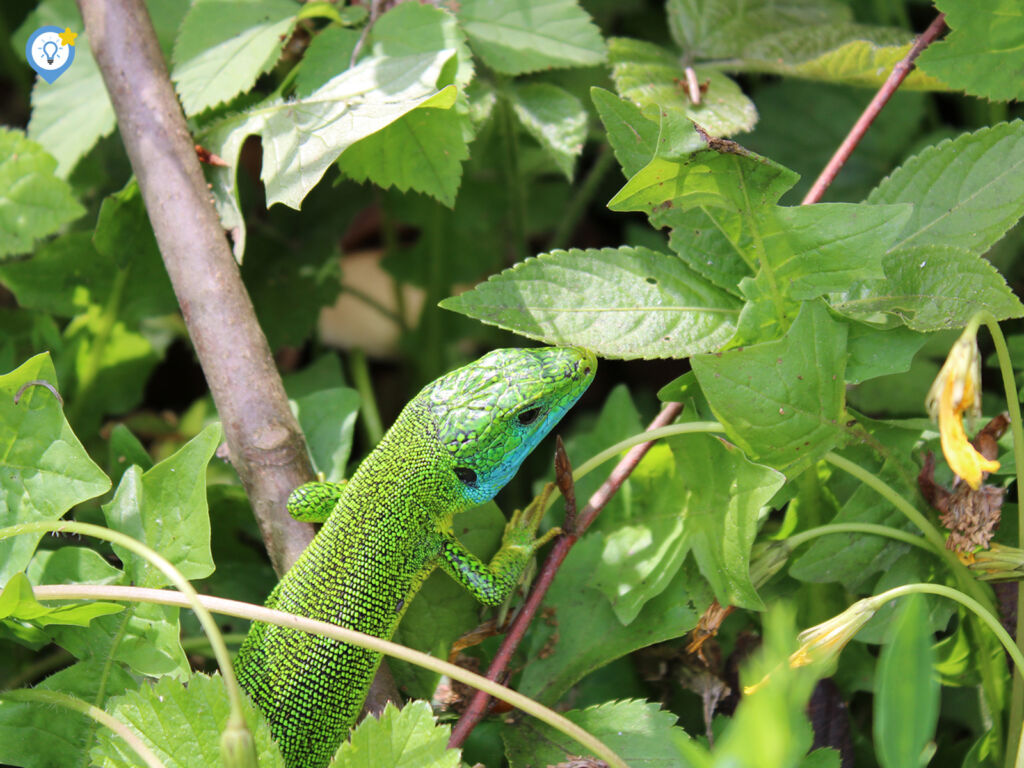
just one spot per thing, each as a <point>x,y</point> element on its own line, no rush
<point>465,475</point>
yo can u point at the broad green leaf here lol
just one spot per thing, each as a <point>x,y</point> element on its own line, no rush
<point>555,118</point>
<point>983,54</point>
<point>929,288</point>
<point>724,496</point>
<point>224,45</point>
<point>588,635</point>
<point>632,136</point>
<point>906,704</point>
<point>18,604</point>
<point>34,202</point>
<point>853,558</point>
<point>700,242</point>
<point>302,137</point>
<point>424,149</point>
<point>169,716</point>
<point>328,55</point>
<point>966,192</point>
<point>625,303</point>
<point>443,611</point>
<point>165,508</point>
<point>782,401</point>
<point>518,36</point>
<point>37,736</point>
<point>405,738</point>
<point>875,352</point>
<point>46,471</point>
<point>651,76</point>
<point>722,29</point>
<point>125,450</point>
<point>63,277</point>
<point>71,565</point>
<point>328,419</point>
<point>640,732</point>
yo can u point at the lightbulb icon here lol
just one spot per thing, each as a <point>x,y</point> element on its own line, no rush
<point>49,51</point>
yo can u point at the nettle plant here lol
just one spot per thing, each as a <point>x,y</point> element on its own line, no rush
<point>773,488</point>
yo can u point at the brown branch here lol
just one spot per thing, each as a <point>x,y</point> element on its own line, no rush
<point>899,73</point>
<point>478,704</point>
<point>266,445</point>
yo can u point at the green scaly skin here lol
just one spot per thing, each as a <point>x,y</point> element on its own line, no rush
<point>454,446</point>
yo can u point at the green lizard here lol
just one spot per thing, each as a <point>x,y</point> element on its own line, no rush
<point>455,445</point>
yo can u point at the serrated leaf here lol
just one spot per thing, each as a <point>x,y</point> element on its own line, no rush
<point>782,401</point>
<point>35,736</point>
<point>224,45</point>
<point>165,508</point>
<point>930,288</point>
<point>514,37</point>
<point>906,704</point>
<point>966,192</point>
<point>651,76</point>
<point>632,136</point>
<point>983,54</point>
<point>555,118</point>
<point>18,604</point>
<point>405,738</point>
<point>34,202</point>
<point>640,732</point>
<point>45,470</point>
<point>625,302</point>
<point>302,137</point>
<point>168,715</point>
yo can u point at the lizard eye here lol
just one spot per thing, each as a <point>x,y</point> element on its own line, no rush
<point>529,416</point>
<point>465,475</point>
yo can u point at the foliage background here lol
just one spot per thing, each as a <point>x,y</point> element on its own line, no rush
<point>483,144</point>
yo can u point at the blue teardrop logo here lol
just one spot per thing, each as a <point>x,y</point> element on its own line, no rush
<point>50,51</point>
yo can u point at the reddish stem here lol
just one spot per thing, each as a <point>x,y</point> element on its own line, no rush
<point>899,73</point>
<point>478,704</point>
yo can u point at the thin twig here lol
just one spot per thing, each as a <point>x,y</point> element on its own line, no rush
<point>563,479</point>
<point>899,73</point>
<point>478,704</point>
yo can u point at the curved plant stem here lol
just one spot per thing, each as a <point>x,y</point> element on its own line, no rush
<point>220,650</point>
<point>291,621</point>
<point>42,696</point>
<point>1016,723</point>
<point>898,75</point>
<point>871,528</point>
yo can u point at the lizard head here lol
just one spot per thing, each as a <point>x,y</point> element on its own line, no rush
<point>491,413</point>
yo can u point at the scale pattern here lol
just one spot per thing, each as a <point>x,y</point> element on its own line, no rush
<point>452,447</point>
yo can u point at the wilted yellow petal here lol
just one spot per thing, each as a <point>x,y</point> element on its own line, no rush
<point>961,456</point>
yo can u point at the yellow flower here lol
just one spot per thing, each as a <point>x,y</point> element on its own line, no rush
<point>955,391</point>
<point>825,641</point>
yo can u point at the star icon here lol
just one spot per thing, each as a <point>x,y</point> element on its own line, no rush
<point>67,37</point>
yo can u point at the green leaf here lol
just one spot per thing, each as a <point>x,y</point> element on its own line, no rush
<point>34,202</point>
<point>328,419</point>
<point>626,303</point>
<point>46,471</point>
<point>640,732</point>
<point>405,738</point>
<point>302,137</point>
<point>875,352</point>
<point>518,36</point>
<point>18,604</point>
<point>651,76</point>
<point>782,401</point>
<point>328,55</point>
<point>63,277</point>
<point>632,136</point>
<point>966,192</point>
<point>424,149</point>
<point>224,45</point>
<point>125,450</point>
<point>906,706</point>
<point>929,288</point>
<point>555,118</point>
<point>588,635</point>
<point>983,54</point>
<point>443,611</point>
<point>165,508</point>
<point>37,736</point>
<point>71,565</point>
<point>168,715</point>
